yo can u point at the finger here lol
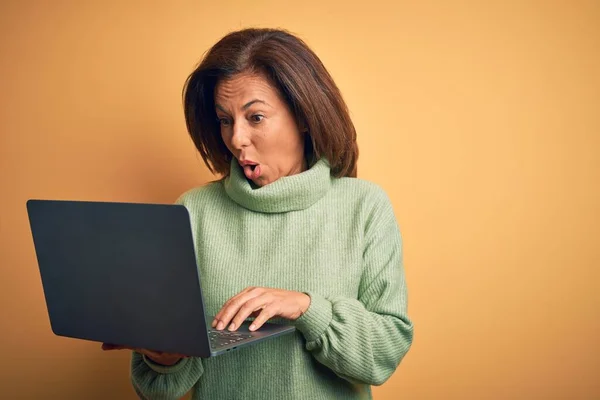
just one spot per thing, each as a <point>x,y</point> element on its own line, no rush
<point>148,353</point>
<point>229,302</point>
<point>228,312</point>
<point>267,313</point>
<point>158,355</point>
<point>253,305</point>
<point>109,346</point>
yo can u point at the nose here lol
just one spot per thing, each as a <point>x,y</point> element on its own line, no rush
<point>241,136</point>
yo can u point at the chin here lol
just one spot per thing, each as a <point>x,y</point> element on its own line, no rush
<point>262,181</point>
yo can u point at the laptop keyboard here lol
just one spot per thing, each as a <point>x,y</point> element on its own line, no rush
<point>225,338</point>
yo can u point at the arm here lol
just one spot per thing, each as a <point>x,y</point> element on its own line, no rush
<point>153,381</point>
<point>364,340</point>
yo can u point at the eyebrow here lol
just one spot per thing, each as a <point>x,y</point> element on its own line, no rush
<point>245,106</point>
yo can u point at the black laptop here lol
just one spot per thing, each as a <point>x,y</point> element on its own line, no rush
<point>126,274</point>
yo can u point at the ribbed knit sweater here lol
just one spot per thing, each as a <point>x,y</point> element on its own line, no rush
<point>335,239</point>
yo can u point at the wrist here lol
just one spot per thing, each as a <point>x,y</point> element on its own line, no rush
<point>157,366</point>
<point>164,361</point>
<point>317,318</point>
<point>304,303</point>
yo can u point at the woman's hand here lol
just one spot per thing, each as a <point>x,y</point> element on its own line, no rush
<point>263,303</point>
<point>166,359</point>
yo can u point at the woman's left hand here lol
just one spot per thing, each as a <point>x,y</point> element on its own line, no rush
<point>263,303</point>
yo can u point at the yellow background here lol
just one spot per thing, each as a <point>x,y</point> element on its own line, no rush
<point>480,119</point>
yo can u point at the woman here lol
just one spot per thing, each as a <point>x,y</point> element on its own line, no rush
<point>289,233</point>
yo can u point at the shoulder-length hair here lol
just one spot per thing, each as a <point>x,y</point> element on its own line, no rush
<point>301,79</point>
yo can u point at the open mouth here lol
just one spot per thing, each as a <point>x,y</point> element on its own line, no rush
<point>252,171</point>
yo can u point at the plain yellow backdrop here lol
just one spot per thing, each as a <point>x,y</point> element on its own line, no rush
<point>481,119</point>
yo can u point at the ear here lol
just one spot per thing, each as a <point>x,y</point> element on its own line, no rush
<point>302,126</point>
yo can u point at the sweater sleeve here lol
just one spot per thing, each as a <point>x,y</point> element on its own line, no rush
<point>364,339</point>
<point>152,381</point>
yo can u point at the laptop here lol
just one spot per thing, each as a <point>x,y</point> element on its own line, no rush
<point>126,274</point>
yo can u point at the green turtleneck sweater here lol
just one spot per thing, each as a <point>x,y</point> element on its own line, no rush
<point>335,239</point>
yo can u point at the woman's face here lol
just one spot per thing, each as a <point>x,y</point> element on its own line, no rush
<point>259,129</point>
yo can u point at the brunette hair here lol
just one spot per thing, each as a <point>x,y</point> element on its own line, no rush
<point>301,79</point>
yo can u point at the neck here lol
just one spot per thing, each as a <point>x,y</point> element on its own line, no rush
<point>299,168</point>
<point>288,193</point>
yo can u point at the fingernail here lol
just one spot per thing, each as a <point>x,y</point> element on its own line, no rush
<point>252,327</point>
<point>214,323</point>
<point>232,327</point>
<point>220,325</point>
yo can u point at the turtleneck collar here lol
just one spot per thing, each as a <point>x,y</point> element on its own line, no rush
<point>288,193</point>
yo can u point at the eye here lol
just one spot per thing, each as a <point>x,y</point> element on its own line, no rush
<point>224,121</point>
<point>256,118</point>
